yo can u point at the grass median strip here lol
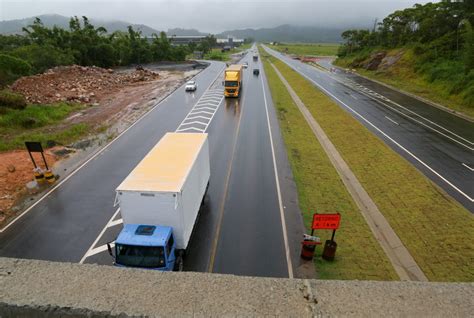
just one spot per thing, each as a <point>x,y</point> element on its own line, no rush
<point>320,189</point>
<point>437,231</point>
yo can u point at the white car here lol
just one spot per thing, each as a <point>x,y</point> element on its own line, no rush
<point>245,65</point>
<point>191,86</point>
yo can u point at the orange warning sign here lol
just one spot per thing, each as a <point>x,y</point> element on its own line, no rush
<point>326,221</point>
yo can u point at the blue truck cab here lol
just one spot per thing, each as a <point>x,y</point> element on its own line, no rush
<point>145,246</point>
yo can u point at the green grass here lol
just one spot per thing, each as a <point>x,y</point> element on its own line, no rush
<point>321,190</point>
<point>217,55</point>
<point>37,123</point>
<point>65,136</point>
<point>438,231</point>
<point>316,49</point>
<point>404,77</point>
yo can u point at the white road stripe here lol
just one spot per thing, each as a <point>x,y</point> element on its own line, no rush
<point>393,121</point>
<point>202,117</point>
<point>115,222</point>
<point>207,107</point>
<point>100,249</point>
<point>414,113</point>
<point>98,237</point>
<point>200,112</point>
<point>194,122</point>
<point>386,136</point>
<point>191,128</point>
<point>277,181</point>
<point>465,165</point>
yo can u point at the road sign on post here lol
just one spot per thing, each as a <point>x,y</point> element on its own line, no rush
<point>34,146</point>
<point>327,222</point>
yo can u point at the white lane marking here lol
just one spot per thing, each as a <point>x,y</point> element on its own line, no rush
<point>348,83</point>
<point>393,121</point>
<point>195,117</point>
<point>116,222</point>
<point>205,106</point>
<point>194,122</point>
<point>385,135</point>
<point>194,112</point>
<point>89,251</point>
<point>100,249</point>
<point>465,165</point>
<point>190,129</point>
<point>280,203</point>
<point>353,96</point>
<point>370,93</point>
<point>421,123</point>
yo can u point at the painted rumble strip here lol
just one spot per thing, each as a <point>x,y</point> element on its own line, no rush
<point>200,116</point>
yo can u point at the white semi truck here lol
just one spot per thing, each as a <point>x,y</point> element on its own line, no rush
<point>160,201</point>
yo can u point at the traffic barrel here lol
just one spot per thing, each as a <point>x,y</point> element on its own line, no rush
<point>307,249</point>
<point>39,175</point>
<point>329,251</point>
<point>49,176</point>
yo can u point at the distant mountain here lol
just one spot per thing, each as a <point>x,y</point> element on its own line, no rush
<point>179,31</point>
<point>282,33</point>
<point>49,20</point>
<point>287,33</point>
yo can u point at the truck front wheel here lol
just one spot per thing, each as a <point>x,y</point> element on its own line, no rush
<point>179,263</point>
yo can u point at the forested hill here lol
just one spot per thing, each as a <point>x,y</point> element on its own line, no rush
<point>288,33</point>
<point>427,47</point>
<point>51,20</point>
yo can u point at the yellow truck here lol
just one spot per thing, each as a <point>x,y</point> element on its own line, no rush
<point>233,76</point>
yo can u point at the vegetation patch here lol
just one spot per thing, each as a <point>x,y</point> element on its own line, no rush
<point>9,99</point>
<point>321,190</point>
<point>37,123</point>
<point>436,229</point>
<point>316,49</point>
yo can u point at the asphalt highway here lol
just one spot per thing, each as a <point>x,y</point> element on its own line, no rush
<point>248,225</point>
<point>438,143</point>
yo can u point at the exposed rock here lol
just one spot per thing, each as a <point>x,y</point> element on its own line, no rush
<point>82,144</point>
<point>388,61</point>
<point>62,151</point>
<point>375,59</point>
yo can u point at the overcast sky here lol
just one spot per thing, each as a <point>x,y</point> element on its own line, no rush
<point>213,15</point>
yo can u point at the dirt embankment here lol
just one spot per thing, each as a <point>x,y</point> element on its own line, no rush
<point>115,100</point>
<point>77,84</point>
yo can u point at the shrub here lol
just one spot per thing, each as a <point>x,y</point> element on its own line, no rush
<point>43,57</point>
<point>12,68</point>
<point>9,99</point>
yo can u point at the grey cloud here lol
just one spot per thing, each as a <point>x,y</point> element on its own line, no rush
<point>213,15</point>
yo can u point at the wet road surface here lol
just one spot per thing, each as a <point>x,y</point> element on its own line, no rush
<point>239,229</point>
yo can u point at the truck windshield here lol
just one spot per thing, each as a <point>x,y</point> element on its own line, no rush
<point>140,256</point>
<point>231,84</point>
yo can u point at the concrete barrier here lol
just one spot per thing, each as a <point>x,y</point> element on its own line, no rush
<point>31,288</point>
